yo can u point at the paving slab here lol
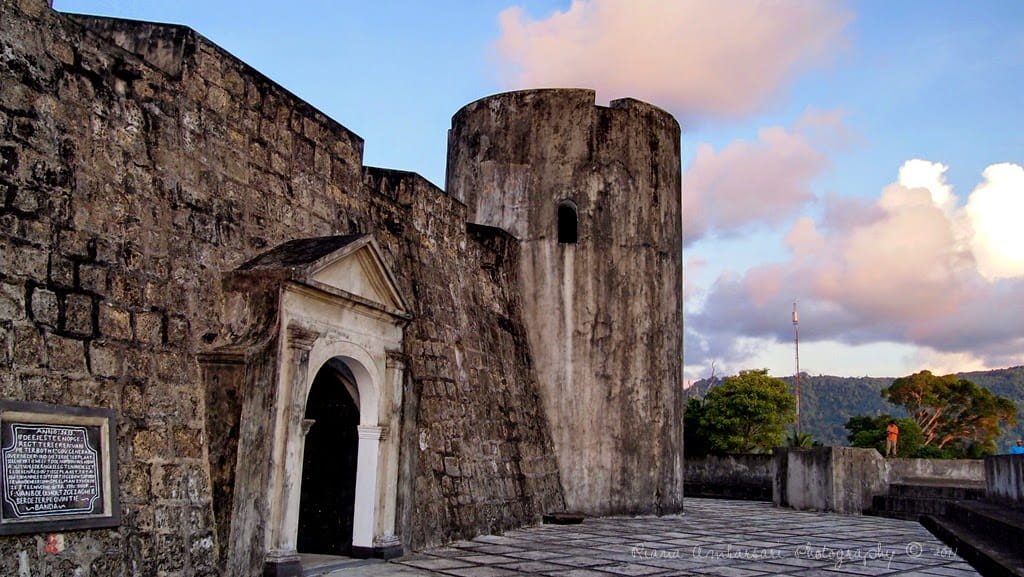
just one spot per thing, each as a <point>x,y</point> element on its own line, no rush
<point>712,537</point>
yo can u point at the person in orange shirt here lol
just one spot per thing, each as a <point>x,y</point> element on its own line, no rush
<point>892,435</point>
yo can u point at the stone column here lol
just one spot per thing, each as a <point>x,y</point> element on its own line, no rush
<point>282,558</point>
<point>386,544</point>
<point>366,507</point>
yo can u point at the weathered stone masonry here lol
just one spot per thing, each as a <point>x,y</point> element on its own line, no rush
<point>139,165</point>
<point>603,312</point>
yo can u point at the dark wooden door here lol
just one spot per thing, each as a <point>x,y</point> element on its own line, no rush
<point>329,468</point>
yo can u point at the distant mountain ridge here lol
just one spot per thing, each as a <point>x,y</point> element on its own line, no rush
<point>827,402</point>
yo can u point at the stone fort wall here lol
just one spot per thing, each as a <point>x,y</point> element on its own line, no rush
<point>140,162</point>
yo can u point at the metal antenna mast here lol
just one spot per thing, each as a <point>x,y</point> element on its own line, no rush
<point>796,341</point>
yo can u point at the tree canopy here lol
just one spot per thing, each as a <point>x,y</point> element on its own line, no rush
<point>827,402</point>
<point>747,413</point>
<point>951,412</point>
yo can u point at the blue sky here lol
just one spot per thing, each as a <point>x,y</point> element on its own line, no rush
<point>841,96</point>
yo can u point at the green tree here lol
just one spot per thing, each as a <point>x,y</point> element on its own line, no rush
<point>799,439</point>
<point>869,432</point>
<point>953,413</point>
<point>747,413</point>
<point>695,439</point>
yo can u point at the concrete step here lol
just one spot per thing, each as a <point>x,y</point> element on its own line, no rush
<point>952,490</point>
<point>905,516</point>
<point>913,498</point>
<point>998,524</point>
<point>314,565</point>
<point>741,491</point>
<point>909,507</point>
<point>989,559</point>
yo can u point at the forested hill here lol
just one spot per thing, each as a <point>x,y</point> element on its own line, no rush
<point>827,401</point>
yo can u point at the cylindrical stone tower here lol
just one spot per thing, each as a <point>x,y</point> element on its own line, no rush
<point>593,195</point>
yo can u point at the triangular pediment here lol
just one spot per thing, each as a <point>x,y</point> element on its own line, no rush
<point>350,265</point>
<point>361,272</point>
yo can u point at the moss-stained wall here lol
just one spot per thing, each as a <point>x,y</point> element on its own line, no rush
<point>139,162</point>
<point>603,314</point>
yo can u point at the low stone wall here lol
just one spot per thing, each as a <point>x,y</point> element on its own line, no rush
<point>844,479</point>
<point>730,477</point>
<point>1004,479</point>
<point>909,470</point>
<point>838,479</point>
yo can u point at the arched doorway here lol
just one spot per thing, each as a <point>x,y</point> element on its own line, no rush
<point>338,302</point>
<point>330,457</point>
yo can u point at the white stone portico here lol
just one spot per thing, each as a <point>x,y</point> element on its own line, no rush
<point>337,302</point>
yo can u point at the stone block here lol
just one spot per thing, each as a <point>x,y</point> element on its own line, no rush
<point>78,317</point>
<point>188,443</point>
<point>171,367</point>
<point>123,289</point>
<point>177,330</point>
<point>27,200</point>
<point>92,277</point>
<point>149,327</point>
<point>104,360</point>
<point>65,354</point>
<point>6,342</point>
<point>451,467</point>
<point>148,445</point>
<point>74,243</point>
<point>278,163</point>
<point>44,307</point>
<point>198,518</point>
<point>171,403</point>
<point>47,388</point>
<point>218,99</point>
<point>29,348</point>
<point>170,552</point>
<point>137,363</point>
<point>234,84</point>
<point>62,271</point>
<point>35,8</point>
<point>201,552</point>
<point>181,482</point>
<point>115,322</point>
<point>105,251</point>
<point>109,562</point>
<point>12,301</point>
<point>35,232</point>
<point>92,392</point>
<point>166,516</point>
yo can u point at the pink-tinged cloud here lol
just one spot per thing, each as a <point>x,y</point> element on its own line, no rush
<point>762,182</point>
<point>844,213</point>
<point>913,270</point>
<point>692,267</point>
<point>697,58</point>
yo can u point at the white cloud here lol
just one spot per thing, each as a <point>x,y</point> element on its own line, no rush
<point>995,211</point>
<point>931,176</point>
<point>946,363</point>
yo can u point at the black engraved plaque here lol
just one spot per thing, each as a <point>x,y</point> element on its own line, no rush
<point>56,471</point>
<point>50,470</point>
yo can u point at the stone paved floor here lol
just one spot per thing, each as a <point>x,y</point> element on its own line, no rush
<point>714,537</point>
